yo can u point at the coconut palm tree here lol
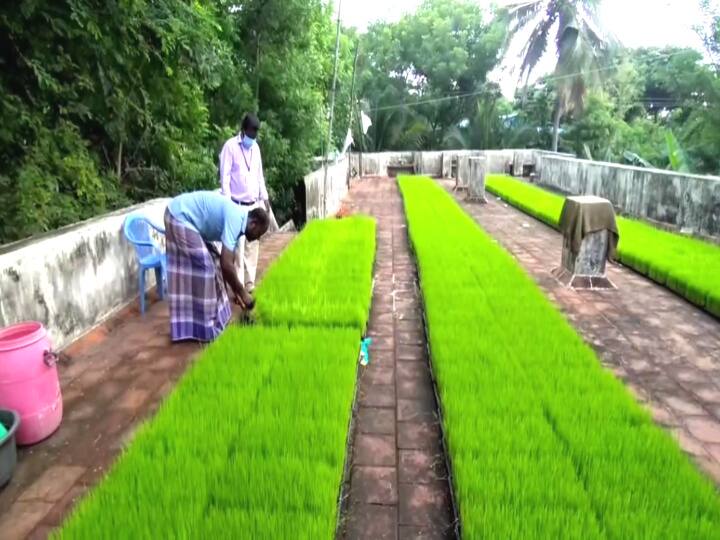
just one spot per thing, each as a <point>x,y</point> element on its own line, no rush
<point>581,47</point>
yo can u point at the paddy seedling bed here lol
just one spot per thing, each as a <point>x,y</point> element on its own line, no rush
<point>544,442</point>
<point>324,277</point>
<point>688,266</point>
<point>252,441</point>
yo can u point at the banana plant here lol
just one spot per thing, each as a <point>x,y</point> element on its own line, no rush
<point>676,155</point>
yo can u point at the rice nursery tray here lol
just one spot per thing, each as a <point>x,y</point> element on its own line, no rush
<point>251,444</point>
<point>688,266</point>
<point>544,442</point>
<point>252,441</point>
<point>324,277</point>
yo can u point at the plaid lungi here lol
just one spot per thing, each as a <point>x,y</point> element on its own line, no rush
<point>199,305</point>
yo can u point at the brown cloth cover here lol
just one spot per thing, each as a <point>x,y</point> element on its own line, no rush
<point>586,214</point>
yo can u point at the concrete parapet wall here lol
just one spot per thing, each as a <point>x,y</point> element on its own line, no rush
<point>686,202</point>
<point>72,279</point>
<point>497,161</point>
<point>321,202</point>
<point>461,166</point>
<point>462,172</point>
<point>376,163</point>
<point>476,185</point>
<point>436,164</point>
<point>439,164</point>
<point>429,163</point>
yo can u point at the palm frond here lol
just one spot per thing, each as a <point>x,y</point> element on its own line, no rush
<point>536,46</point>
<point>525,136</point>
<point>415,135</point>
<point>522,13</point>
<point>589,17</point>
<point>456,138</point>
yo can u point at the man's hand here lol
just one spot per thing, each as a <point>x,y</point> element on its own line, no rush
<point>227,266</point>
<point>245,300</point>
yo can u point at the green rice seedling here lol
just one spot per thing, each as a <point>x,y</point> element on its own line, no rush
<point>544,442</point>
<point>251,444</point>
<point>688,266</point>
<point>537,202</point>
<point>713,302</point>
<point>323,277</point>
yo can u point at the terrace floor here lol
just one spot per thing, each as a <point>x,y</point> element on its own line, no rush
<point>666,350</point>
<point>398,485</point>
<point>114,378</point>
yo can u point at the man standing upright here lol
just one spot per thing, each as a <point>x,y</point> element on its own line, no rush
<point>242,180</point>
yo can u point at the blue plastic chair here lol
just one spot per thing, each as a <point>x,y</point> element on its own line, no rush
<point>150,255</point>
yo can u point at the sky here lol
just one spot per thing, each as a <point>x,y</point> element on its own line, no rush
<point>634,23</point>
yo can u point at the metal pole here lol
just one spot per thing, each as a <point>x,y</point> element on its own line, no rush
<point>352,100</point>
<point>332,109</point>
<point>362,141</point>
<point>352,84</point>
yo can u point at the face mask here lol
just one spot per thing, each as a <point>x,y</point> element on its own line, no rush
<point>247,142</point>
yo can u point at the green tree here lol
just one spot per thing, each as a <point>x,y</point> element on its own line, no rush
<point>116,89</point>
<point>447,49</point>
<point>288,45</point>
<point>433,62</point>
<point>625,87</point>
<point>393,127</point>
<point>681,93</point>
<point>488,127</point>
<point>531,126</point>
<point>105,102</point>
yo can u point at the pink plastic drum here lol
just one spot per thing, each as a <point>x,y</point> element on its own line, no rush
<point>29,380</point>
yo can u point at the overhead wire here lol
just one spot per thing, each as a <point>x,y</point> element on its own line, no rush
<point>449,97</point>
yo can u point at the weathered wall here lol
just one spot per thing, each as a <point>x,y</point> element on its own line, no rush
<point>476,185</point>
<point>535,158</point>
<point>440,163</point>
<point>497,161</point>
<point>523,158</point>
<point>690,203</point>
<point>429,163</point>
<point>450,155</point>
<point>376,163</point>
<point>687,202</point>
<point>437,164</point>
<point>73,278</point>
<point>463,167</point>
<point>318,204</point>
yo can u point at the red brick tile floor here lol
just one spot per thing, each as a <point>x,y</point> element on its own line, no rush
<point>398,481</point>
<point>666,350</point>
<point>114,378</point>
